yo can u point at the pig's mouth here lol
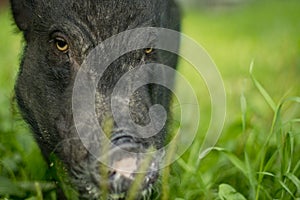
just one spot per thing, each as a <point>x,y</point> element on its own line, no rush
<point>131,172</point>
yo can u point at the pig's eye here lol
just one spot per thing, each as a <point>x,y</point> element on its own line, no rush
<point>61,44</point>
<point>148,50</point>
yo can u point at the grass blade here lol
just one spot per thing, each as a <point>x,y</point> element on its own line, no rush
<point>227,192</point>
<point>287,189</point>
<point>261,89</point>
<point>234,160</point>
<point>244,111</point>
<point>251,176</point>
<point>294,179</point>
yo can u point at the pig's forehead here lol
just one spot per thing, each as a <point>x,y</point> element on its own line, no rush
<point>102,18</point>
<point>99,4</point>
<point>100,10</point>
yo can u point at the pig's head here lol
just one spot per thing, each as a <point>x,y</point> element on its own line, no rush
<point>59,36</point>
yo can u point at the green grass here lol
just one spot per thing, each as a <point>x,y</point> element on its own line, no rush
<point>257,156</point>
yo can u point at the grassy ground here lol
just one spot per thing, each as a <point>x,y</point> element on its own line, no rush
<point>257,156</point>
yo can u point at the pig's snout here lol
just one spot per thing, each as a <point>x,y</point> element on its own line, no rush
<point>130,163</point>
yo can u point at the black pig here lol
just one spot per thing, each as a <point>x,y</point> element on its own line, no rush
<point>59,35</point>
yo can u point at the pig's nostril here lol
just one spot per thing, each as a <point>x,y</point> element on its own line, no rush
<point>111,173</point>
<point>122,139</point>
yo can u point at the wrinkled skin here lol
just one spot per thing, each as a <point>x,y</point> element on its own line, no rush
<point>46,78</point>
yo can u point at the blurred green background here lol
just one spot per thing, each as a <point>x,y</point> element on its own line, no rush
<point>257,156</point>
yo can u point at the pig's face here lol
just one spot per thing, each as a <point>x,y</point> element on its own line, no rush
<point>59,36</point>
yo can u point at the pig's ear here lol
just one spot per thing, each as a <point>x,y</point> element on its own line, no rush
<point>22,12</point>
